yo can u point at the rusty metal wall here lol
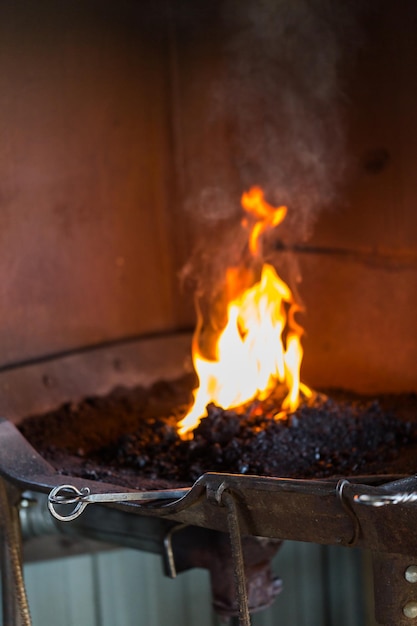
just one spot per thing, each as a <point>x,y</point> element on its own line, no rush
<point>357,271</point>
<point>107,130</point>
<point>360,288</point>
<point>86,196</point>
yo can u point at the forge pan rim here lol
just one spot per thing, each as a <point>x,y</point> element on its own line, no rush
<point>312,510</point>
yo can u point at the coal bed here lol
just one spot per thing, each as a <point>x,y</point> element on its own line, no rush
<point>129,437</point>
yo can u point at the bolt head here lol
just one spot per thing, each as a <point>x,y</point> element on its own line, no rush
<point>411,574</point>
<point>410,610</point>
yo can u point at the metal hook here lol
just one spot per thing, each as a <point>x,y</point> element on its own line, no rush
<point>347,506</point>
<point>169,551</point>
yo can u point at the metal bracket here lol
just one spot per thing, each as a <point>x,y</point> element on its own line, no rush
<point>228,499</point>
<point>168,554</point>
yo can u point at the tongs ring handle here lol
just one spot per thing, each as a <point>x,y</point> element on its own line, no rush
<point>68,494</point>
<point>63,495</point>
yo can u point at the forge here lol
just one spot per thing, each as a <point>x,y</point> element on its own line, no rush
<point>132,136</point>
<point>196,514</point>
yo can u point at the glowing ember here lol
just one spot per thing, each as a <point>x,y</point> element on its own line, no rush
<point>259,346</point>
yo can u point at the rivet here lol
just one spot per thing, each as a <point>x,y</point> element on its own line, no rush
<point>410,610</point>
<point>411,574</point>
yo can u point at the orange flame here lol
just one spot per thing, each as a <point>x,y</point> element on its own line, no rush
<point>251,355</point>
<point>267,216</point>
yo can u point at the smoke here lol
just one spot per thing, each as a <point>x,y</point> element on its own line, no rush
<point>274,117</point>
<point>286,64</point>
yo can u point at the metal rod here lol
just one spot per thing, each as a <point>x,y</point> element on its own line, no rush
<point>15,604</point>
<point>81,498</point>
<point>237,555</point>
<point>7,590</point>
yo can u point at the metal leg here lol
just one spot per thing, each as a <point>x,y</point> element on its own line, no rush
<point>9,609</point>
<point>237,553</point>
<point>15,604</point>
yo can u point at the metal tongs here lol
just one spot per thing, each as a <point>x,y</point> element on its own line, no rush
<point>81,498</point>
